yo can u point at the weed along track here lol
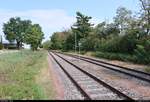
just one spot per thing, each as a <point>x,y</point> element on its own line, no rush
<point>91,87</point>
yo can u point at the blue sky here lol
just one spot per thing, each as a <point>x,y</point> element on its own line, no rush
<point>56,15</point>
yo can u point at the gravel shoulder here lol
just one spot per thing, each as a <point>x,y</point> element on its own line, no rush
<point>55,80</point>
<point>65,89</point>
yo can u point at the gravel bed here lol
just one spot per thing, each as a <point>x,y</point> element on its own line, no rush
<point>133,87</point>
<point>85,83</point>
<point>70,91</point>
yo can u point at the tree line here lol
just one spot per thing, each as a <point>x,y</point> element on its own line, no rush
<point>23,31</point>
<point>128,34</point>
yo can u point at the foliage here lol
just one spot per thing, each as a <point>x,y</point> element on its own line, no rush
<point>122,36</point>
<point>142,55</point>
<point>145,15</point>
<point>82,27</point>
<point>147,69</point>
<point>15,30</point>
<point>47,45</point>
<point>122,18</point>
<point>89,43</point>
<point>111,45</point>
<point>58,39</point>
<point>103,30</point>
<point>34,36</point>
<point>69,43</point>
<point>1,46</point>
<point>115,56</point>
<point>22,31</point>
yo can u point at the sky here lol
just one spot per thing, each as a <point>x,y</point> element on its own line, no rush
<point>58,15</point>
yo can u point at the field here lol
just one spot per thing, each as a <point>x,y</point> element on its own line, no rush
<point>25,75</point>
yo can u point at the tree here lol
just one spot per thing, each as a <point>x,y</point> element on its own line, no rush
<point>82,27</point>
<point>103,30</point>
<point>112,29</point>
<point>90,43</point>
<point>47,45</point>
<point>99,30</point>
<point>68,43</point>
<point>58,39</point>
<point>15,29</point>
<point>122,18</point>
<point>34,36</point>
<point>145,7</point>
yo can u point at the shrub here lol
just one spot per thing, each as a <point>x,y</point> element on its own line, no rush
<point>1,46</point>
<point>127,43</point>
<point>142,55</point>
<point>147,69</point>
<point>110,45</point>
<point>116,56</point>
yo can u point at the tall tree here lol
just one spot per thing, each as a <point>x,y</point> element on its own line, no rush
<point>103,30</point>
<point>58,39</point>
<point>99,30</point>
<point>82,27</point>
<point>47,45</point>
<point>15,29</point>
<point>122,18</point>
<point>69,41</point>
<point>34,36</point>
<point>145,7</point>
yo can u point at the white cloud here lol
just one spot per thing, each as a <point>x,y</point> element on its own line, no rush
<point>50,20</point>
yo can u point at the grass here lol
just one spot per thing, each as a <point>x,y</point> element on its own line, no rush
<point>21,76</point>
<point>121,57</point>
<point>147,69</point>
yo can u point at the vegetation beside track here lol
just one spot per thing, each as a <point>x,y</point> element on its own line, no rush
<point>147,69</point>
<point>23,75</point>
<point>126,38</point>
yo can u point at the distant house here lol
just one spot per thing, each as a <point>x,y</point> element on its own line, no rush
<point>6,44</point>
<point>9,45</point>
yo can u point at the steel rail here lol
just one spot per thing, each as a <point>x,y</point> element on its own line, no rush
<point>98,80</point>
<point>126,68</point>
<point>87,97</point>
<point>104,66</point>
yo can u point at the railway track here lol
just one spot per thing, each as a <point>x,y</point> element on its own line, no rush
<point>124,70</point>
<point>89,86</point>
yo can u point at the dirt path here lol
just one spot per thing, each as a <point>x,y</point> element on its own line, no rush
<point>56,81</point>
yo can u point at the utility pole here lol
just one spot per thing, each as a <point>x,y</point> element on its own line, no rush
<point>79,44</point>
<point>75,42</point>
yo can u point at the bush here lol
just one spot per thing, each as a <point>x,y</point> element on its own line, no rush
<point>142,55</point>
<point>116,56</point>
<point>121,44</point>
<point>110,45</point>
<point>89,43</point>
<point>147,69</point>
<point>127,44</point>
<point>1,46</point>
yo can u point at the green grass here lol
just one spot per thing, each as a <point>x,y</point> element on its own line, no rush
<point>120,57</point>
<point>17,75</point>
<point>147,69</point>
